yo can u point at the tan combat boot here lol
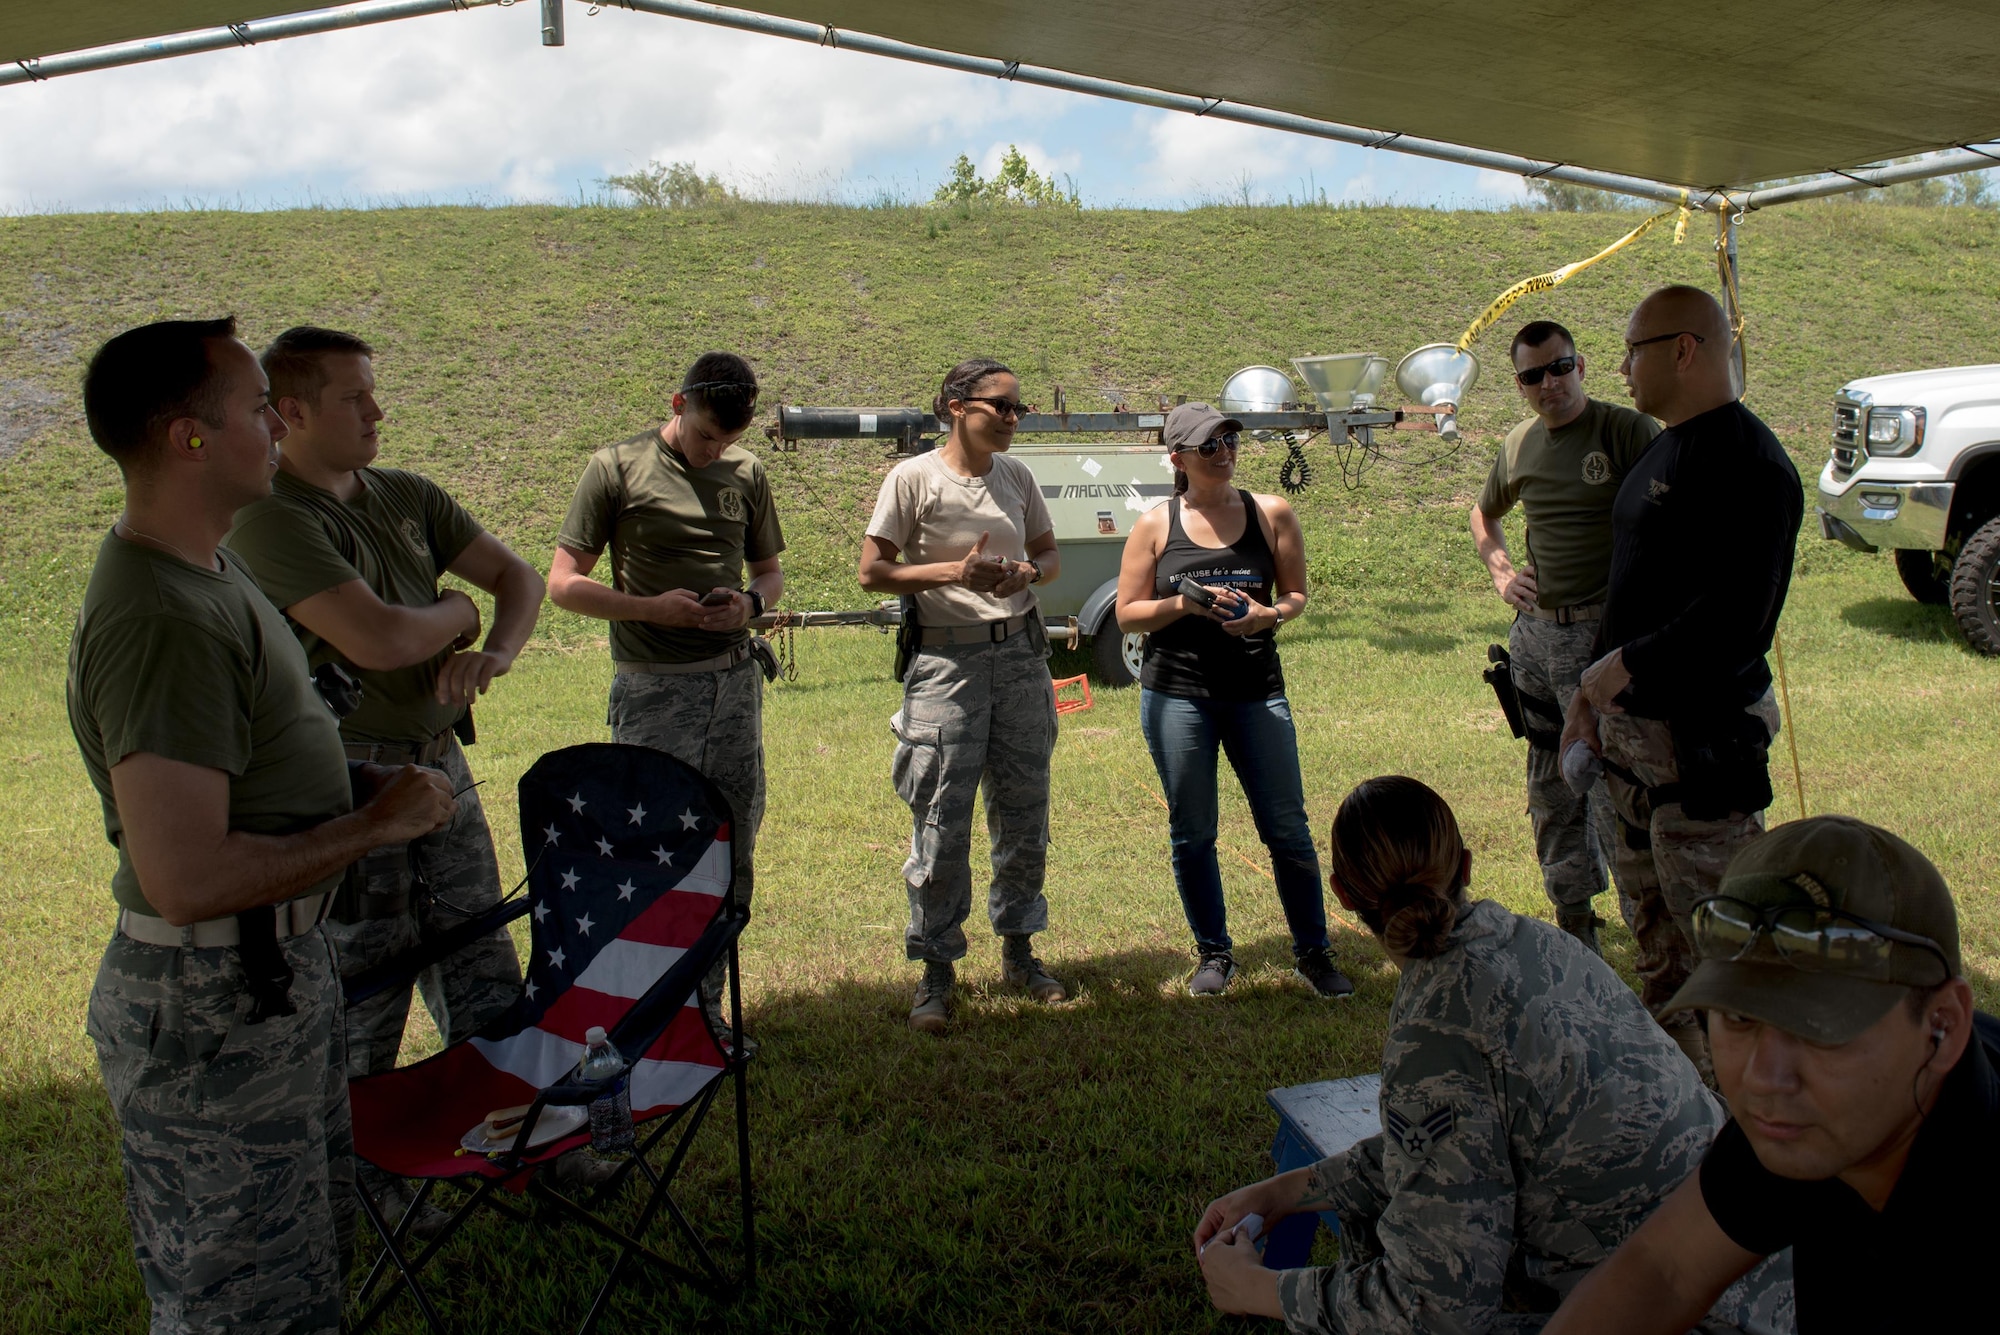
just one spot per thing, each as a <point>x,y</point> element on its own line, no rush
<point>1020,968</point>
<point>933,1001</point>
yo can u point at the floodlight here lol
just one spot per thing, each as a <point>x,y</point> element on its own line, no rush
<point>1439,375</point>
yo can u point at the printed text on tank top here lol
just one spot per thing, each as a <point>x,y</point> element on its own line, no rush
<point>1199,529</point>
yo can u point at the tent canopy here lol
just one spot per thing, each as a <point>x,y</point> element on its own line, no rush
<point>1705,94</point>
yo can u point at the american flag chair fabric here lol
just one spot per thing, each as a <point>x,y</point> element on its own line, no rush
<point>629,900</point>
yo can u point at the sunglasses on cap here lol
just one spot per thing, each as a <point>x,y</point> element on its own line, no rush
<point>1806,937</point>
<point>1558,368</point>
<point>1216,444</point>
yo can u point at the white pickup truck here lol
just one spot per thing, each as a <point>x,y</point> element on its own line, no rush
<point>1916,469</point>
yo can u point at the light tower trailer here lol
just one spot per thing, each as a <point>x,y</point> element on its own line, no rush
<point>1109,469</point>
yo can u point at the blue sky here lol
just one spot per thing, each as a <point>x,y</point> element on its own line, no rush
<point>470,106</point>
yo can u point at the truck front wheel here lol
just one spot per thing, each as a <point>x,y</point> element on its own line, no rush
<point>1927,575</point>
<point>1975,586</point>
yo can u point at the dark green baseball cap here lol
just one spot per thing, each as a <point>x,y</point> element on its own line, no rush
<point>1830,863</point>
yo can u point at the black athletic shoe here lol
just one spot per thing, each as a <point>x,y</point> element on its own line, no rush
<point>1319,970</point>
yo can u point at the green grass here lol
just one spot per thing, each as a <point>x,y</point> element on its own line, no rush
<point>1037,1168</point>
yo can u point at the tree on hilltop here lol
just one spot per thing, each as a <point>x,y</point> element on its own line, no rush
<point>1015,183</point>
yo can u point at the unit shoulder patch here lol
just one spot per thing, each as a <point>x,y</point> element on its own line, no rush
<point>730,502</point>
<point>1597,468</point>
<point>1419,1132</point>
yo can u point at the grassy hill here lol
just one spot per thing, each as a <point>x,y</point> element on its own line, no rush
<point>1037,1169</point>
<point>513,341</point>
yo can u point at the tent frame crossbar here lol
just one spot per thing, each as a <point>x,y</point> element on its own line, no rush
<point>1946,162</point>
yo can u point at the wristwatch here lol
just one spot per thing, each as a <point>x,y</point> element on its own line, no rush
<point>1036,578</point>
<point>1281,616</point>
<point>756,602</point>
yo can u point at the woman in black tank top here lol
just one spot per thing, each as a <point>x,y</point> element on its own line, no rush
<point>1209,577</point>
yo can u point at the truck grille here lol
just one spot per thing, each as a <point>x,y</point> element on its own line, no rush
<point>1848,450</point>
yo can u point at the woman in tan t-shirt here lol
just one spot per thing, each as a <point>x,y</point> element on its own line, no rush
<point>962,533</point>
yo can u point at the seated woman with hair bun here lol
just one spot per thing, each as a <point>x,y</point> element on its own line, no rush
<point>1533,1114</point>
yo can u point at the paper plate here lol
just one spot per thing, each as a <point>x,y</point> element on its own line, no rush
<point>554,1123</point>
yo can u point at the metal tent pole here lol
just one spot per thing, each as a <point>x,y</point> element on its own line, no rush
<point>236,34</point>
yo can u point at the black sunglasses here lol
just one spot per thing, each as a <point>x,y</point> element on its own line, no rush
<point>1632,347</point>
<point>1558,368</point>
<point>1805,936</point>
<point>1004,407</point>
<point>1215,445</point>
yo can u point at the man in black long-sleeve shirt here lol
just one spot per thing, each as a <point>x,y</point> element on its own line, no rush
<point>1679,702</point>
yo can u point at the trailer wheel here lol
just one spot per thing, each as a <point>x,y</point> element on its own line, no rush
<point>1114,658</point>
<point>1927,575</point>
<point>1975,588</point>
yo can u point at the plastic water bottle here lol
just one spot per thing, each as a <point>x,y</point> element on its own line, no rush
<point>611,1132</point>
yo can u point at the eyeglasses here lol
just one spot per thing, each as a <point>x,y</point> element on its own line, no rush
<point>1558,368</point>
<point>1632,347</point>
<point>1806,937</point>
<point>1004,407</point>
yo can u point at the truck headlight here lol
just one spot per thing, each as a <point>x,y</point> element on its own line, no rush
<point>1894,432</point>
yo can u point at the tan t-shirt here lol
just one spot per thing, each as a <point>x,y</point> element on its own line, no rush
<point>197,666</point>
<point>670,526</point>
<point>932,514</point>
<point>1566,480</point>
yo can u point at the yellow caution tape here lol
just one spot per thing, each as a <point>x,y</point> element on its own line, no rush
<point>1542,282</point>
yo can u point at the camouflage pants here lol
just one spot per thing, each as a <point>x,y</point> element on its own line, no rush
<point>458,871</point>
<point>713,721</point>
<point>975,717</point>
<point>237,1150</point>
<point>1686,859</point>
<point>1575,837</point>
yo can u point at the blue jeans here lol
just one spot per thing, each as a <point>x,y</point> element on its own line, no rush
<point>1263,749</point>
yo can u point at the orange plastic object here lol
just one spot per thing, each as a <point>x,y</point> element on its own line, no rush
<point>1072,704</point>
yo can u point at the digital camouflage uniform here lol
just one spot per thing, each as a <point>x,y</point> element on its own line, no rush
<point>235,1138</point>
<point>713,721</point>
<point>238,1153</point>
<point>1576,838</point>
<point>1533,1116</point>
<point>669,525</point>
<point>1565,481</point>
<point>975,717</point>
<point>398,536</point>
<point>443,879</point>
<point>1678,861</point>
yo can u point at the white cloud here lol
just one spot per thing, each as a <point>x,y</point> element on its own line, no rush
<point>1196,154</point>
<point>471,105</point>
<point>471,102</point>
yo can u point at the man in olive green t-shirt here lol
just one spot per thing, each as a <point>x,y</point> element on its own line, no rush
<point>1562,467</point>
<point>224,790</point>
<point>686,512</point>
<point>353,554</point>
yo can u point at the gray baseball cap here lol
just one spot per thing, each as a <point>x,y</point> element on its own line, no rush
<point>1797,875</point>
<point>1191,423</point>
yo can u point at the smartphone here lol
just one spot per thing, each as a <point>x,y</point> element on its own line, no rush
<point>1248,1228</point>
<point>1194,593</point>
<point>716,598</point>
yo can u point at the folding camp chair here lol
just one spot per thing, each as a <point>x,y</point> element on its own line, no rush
<point>631,891</point>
